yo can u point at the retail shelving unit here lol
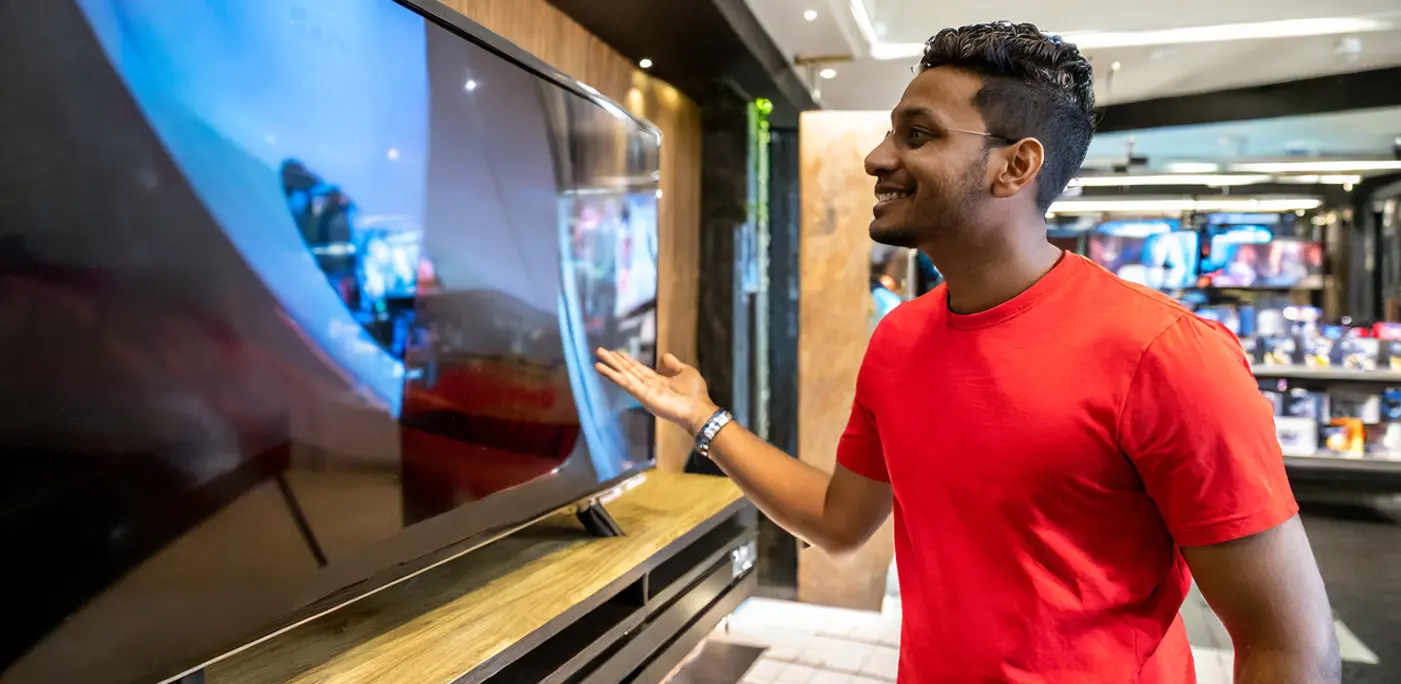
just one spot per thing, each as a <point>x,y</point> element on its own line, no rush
<point>1355,475</point>
<point>1326,374</point>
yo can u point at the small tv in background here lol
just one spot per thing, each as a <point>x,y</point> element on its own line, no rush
<point>1156,254</point>
<point>1252,258</point>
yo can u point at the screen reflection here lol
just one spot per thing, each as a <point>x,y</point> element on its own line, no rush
<point>322,311</point>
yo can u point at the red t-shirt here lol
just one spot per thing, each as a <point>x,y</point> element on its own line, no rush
<point>1049,456</point>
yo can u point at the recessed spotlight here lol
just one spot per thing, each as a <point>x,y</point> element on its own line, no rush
<point>1115,66</point>
<point>810,15</point>
<point>828,73</point>
<point>470,85</point>
<point>645,63</point>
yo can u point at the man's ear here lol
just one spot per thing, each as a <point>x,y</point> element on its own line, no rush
<point>1022,160</point>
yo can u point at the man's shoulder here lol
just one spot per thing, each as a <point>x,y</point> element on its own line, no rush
<point>1133,311</point>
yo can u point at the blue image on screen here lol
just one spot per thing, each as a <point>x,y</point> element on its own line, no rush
<point>339,89</point>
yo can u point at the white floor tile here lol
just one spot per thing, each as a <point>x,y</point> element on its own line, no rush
<point>1213,665</point>
<point>764,672</point>
<point>837,654</point>
<point>863,679</point>
<point>830,677</point>
<point>796,674</point>
<point>1351,648</point>
<point>883,664</point>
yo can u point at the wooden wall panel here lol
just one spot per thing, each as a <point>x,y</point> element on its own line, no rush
<point>834,314</point>
<point>540,29</point>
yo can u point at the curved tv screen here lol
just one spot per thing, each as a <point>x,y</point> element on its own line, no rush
<point>296,298</point>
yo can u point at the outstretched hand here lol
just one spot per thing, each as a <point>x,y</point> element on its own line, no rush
<point>677,393</point>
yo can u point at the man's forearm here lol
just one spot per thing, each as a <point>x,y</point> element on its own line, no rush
<point>792,493</point>
<point>1288,666</point>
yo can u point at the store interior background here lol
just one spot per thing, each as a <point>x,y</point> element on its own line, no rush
<point>1287,112</point>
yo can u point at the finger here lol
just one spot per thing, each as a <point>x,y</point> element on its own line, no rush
<point>630,379</point>
<point>637,368</point>
<point>617,378</point>
<point>614,361</point>
<point>672,364</point>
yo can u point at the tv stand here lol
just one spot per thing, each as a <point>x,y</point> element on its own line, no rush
<point>596,520</point>
<point>196,677</point>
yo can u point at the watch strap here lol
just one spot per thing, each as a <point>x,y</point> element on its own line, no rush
<point>711,428</point>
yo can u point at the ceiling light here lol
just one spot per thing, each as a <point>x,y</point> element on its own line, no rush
<point>1316,166</point>
<point>1098,40</point>
<point>1315,179</point>
<point>810,15</point>
<point>1287,28</point>
<point>645,63</point>
<point>1180,205</point>
<point>470,85</point>
<point>1192,167</point>
<point>828,73</point>
<point>1208,180</point>
<point>1115,66</point>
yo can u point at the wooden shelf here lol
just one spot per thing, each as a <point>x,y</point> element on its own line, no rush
<point>479,613</point>
<point>1325,374</point>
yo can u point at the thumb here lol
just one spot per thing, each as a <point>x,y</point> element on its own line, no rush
<point>673,364</point>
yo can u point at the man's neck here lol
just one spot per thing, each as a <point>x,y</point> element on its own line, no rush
<point>982,277</point>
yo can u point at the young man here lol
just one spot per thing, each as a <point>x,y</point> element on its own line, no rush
<point>1094,445</point>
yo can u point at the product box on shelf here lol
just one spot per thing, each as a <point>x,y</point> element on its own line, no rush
<point>1345,437</point>
<point>1300,403</point>
<point>1297,436</point>
<point>1276,351</point>
<point>1363,406</point>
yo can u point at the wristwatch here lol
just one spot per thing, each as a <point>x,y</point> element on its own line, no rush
<point>711,428</point>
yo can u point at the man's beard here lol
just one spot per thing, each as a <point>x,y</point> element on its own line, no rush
<point>923,225</point>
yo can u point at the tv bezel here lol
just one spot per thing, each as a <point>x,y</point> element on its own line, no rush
<point>373,575</point>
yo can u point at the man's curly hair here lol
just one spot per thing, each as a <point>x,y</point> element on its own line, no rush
<point>1034,86</point>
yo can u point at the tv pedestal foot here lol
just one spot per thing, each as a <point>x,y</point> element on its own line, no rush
<point>196,677</point>
<point>597,521</point>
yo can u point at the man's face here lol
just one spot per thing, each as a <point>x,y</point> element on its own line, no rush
<point>929,176</point>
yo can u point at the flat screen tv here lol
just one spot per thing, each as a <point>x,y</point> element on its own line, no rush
<point>1156,254</point>
<point>1251,256</point>
<point>297,297</point>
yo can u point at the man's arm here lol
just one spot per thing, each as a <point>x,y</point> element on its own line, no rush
<point>837,513</point>
<point>1267,591</point>
<point>1203,441</point>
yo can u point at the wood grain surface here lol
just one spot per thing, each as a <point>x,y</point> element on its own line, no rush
<point>834,327</point>
<point>540,29</point>
<point>448,621</point>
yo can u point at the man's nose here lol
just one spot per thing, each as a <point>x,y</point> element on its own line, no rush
<point>882,160</point>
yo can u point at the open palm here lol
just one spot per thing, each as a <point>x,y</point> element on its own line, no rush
<point>677,393</point>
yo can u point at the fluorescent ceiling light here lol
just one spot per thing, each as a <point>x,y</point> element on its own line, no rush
<point>1180,205</point>
<point>1192,167</point>
<point>1317,166</point>
<point>1214,180</point>
<point>1287,28</point>
<point>1098,40</point>
<point>1332,179</point>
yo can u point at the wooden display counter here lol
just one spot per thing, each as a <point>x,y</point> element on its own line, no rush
<point>546,604</point>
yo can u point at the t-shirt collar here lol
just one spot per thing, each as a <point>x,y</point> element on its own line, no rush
<point>1061,273</point>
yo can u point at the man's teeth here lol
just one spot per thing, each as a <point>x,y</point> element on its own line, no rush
<point>887,196</point>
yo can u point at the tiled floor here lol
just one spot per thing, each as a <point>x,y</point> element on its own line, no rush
<point>807,644</point>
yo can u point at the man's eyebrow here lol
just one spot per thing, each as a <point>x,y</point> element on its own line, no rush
<point>906,114</point>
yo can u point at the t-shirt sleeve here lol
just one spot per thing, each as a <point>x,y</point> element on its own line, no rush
<point>1202,436</point>
<point>859,449</point>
